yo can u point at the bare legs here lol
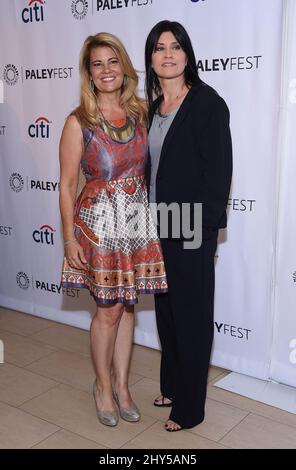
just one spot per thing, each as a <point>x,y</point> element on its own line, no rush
<point>122,356</point>
<point>111,337</point>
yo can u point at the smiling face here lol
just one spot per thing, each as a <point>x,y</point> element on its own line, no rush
<point>168,58</point>
<point>105,69</point>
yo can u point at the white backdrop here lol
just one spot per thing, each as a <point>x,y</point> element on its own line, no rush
<point>238,45</point>
<point>283,357</point>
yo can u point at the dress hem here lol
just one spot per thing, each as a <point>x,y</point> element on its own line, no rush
<point>98,300</point>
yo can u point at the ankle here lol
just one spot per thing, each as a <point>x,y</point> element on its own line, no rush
<point>103,389</point>
<point>120,386</point>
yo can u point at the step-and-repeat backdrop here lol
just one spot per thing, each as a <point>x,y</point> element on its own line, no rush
<point>239,49</point>
<point>283,356</point>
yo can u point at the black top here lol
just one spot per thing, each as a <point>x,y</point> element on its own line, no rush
<point>196,157</point>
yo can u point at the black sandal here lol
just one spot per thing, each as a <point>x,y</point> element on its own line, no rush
<point>162,404</point>
<point>173,430</point>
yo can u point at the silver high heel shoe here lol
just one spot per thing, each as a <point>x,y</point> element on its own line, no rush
<point>131,414</point>
<point>108,418</point>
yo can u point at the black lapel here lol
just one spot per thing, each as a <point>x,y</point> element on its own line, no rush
<point>181,114</point>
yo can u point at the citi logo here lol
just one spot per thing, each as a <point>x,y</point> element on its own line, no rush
<point>34,11</point>
<point>44,235</point>
<point>2,130</point>
<point>294,276</point>
<point>40,128</point>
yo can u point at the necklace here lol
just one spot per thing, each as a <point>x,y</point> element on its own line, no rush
<point>179,95</point>
<point>122,134</point>
<point>162,118</point>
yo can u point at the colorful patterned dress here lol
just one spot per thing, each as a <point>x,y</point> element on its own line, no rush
<point>113,223</point>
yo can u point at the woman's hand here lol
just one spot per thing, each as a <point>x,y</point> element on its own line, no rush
<point>75,256</point>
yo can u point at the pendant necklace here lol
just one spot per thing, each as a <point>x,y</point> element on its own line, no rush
<point>163,117</point>
<point>122,134</point>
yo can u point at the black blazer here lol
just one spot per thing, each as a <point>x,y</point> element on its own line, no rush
<point>196,159</point>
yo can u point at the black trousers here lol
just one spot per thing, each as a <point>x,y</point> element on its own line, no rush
<point>186,326</point>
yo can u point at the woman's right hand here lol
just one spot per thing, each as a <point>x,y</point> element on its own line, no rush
<point>75,255</point>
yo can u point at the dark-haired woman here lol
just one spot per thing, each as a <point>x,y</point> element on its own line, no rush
<point>190,162</point>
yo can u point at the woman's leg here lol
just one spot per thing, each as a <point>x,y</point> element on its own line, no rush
<point>103,332</point>
<point>167,336</point>
<point>122,356</point>
<point>192,293</point>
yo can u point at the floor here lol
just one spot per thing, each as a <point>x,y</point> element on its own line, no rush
<point>46,400</point>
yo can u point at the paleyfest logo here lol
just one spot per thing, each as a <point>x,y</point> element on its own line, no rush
<point>107,5</point>
<point>5,230</point>
<point>48,74</point>
<point>22,280</point>
<point>79,9</point>
<point>16,182</point>
<point>10,74</point>
<point>233,330</point>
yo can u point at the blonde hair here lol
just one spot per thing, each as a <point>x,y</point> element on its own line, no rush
<point>87,110</point>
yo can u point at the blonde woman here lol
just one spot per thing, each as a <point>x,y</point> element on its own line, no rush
<point>111,246</point>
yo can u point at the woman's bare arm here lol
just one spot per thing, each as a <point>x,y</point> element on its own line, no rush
<point>71,149</point>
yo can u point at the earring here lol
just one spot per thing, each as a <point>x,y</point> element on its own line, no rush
<point>92,85</point>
